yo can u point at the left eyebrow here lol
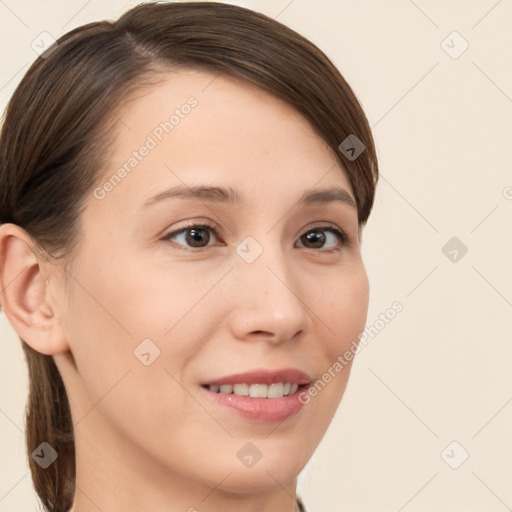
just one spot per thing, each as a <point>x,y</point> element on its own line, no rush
<point>232,196</point>
<point>327,195</point>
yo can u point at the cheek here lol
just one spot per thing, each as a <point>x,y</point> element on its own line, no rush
<point>342,310</point>
<point>115,308</point>
<point>99,336</point>
<point>116,324</point>
<point>345,306</point>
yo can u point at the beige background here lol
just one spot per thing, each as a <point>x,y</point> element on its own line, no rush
<point>440,371</point>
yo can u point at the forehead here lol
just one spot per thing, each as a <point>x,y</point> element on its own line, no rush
<point>193,126</point>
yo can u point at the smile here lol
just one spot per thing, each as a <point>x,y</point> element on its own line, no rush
<point>276,390</point>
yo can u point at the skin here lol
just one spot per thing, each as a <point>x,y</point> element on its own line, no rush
<point>147,437</point>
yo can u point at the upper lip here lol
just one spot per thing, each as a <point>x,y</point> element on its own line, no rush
<point>291,375</point>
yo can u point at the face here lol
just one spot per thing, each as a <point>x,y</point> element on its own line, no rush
<point>174,291</point>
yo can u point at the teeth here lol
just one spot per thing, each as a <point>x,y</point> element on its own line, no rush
<point>226,388</point>
<point>241,389</point>
<point>276,390</point>
<point>258,390</point>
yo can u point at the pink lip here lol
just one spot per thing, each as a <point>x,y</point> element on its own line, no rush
<point>291,375</point>
<point>267,410</point>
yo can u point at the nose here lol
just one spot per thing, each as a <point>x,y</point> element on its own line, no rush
<point>267,299</point>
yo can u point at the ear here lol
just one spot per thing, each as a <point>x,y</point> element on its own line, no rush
<point>24,293</point>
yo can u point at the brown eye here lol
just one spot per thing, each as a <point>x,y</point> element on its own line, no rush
<point>195,236</point>
<point>317,237</point>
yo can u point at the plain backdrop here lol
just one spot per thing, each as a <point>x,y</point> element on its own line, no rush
<point>426,421</point>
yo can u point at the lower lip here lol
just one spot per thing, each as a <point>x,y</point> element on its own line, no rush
<point>268,410</point>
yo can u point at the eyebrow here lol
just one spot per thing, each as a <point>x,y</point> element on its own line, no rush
<point>229,195</point>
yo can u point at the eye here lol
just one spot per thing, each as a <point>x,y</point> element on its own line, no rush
<point>195,236</point>
<point>316,238</point>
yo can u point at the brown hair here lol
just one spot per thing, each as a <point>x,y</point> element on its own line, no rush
<point>58,124</point>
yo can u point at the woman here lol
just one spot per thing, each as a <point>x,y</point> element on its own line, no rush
<point>183,194</point>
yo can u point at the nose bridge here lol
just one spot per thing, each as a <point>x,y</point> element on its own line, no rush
<point>267,287</point>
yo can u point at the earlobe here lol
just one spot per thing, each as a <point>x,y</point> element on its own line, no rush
<point>25,297</point>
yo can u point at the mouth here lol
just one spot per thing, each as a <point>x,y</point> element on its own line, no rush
<point>261,395</point>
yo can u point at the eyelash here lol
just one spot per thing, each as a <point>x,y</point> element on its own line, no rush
<point>342,236</point>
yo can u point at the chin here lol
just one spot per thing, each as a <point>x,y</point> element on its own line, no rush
<point>276,468</point>
<point>259,481</point>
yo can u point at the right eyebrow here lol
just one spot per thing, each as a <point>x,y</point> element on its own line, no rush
<point>202,192</point>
